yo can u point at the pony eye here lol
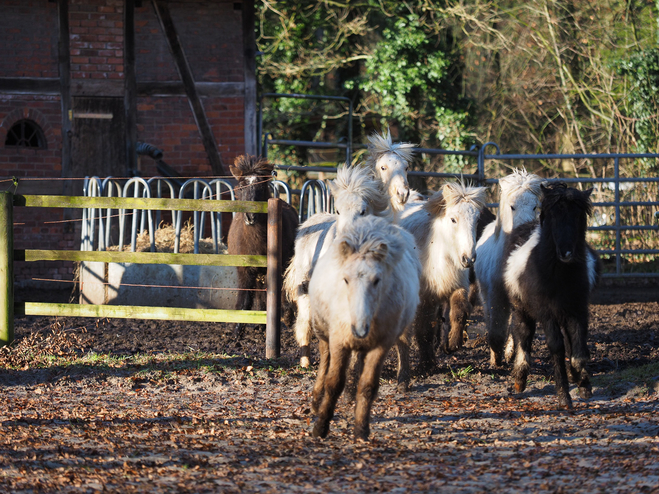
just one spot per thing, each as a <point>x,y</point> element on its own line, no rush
<point>346,280</point>
<point>453,220</point>
<point>513,208</point>
<point>362,213</point>
<point>383,168</point>
<point>337,212</point>
<point>376,281</point>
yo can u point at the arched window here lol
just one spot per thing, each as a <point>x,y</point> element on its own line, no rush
<point>26,134</point>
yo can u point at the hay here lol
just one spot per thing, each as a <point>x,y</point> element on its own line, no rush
<point>165,237</point>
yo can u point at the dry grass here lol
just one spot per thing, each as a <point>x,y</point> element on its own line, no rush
<point>165,236</point>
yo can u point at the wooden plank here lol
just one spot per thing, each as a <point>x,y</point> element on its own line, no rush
<point>204,89</point>
<point>30,85</point>
<point>249,71</point>
<point>139,312</point>
<point>183,67</point>
<point>273,280</point>
<point>140,203</point>
<point>130,88</point>
<point>141,258</point>
<point>6,269</point>
<point>102,87</point>
<point>64,63</point>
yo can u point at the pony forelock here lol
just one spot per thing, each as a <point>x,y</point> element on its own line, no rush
<point>368,234</point>
<point>359,180</point>
<point>520,180</point>
<point>554,192</point>
<point>379,145</point>
<point>251,165</point>
<point>453,193</point>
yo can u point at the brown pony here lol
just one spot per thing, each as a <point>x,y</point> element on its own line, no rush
<point>248,232</point>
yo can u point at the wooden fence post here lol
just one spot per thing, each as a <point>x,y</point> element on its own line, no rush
<point>273,281</point>
<point>6,268</point>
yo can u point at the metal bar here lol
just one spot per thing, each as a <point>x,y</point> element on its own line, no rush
<point>616,174</point>
<point>141,258</point>
<point>308,144</point>
<point>6,269</point>
<point>567,156</point>
<point>139,203</point>
<point>140,312</point>
<point>273,280</point>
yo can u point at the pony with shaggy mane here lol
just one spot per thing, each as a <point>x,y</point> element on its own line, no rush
<point>248,231</point>
<point>549,274</point>
<point>390,162</point>
<point>363,295</point>
<point>445,231</point>
<point>519,202</point>
<point>356,193</point>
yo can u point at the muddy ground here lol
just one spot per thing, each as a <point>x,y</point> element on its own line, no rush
<point>183,407</point>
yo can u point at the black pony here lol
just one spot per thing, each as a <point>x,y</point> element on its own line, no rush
<point>248,232</point>
<point>549,274</point>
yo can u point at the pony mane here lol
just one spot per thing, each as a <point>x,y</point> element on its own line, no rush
<point>555,192</point>
<point>251,165</point>
<point>520,180</point>
<point>379,145</point>
<point>453,193</point>
<point>359,180</point>
<point>367,234</point>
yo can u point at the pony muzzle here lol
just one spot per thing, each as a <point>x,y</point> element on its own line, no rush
<point>403,195</point>
<point>467,261</point>
<point>566,256</point>
<point>360,330</point>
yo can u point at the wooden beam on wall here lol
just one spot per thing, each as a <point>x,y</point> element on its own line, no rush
<point>249,47</point>
<point>64,64</point>
<point>130,87</point>
<point>183,67</point>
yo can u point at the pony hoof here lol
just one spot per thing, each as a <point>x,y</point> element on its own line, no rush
<point>565,402</point>
<point>305,362</point>
<point>403,387</point>
<point>520,386</point>
<point>361,433</point>
<point>320,430</point>
<point>585,393</point>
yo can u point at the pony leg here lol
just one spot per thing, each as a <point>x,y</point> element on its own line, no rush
<point>303,329</point>
<point>498,315</point>
<point>576,336</point>
<point>319,387</point>
<point>425,335</point>
<point>523,332</point>
<point>460,308</point>
<point>335,380</point>
<point>557,349</point>
<point>245,299</point>
<point>354,373</point>
<point>368,390</point>
<point>403,350</point>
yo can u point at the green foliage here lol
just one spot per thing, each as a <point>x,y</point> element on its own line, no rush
<point>642,71</point>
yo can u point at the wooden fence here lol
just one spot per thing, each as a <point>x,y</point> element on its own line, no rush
<point>271,317</point>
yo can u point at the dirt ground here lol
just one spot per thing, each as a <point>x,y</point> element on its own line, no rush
<point>183,407</point>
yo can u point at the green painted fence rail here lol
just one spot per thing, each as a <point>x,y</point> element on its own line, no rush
<point>272,261</point>
<point>141,257</point>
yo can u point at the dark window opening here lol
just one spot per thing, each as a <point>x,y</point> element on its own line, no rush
<point>26,134</point>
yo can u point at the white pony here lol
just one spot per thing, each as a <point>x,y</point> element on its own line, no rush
<point>519,203</point>
<point>445,231</point>
<point>363,294</point>
<point>356,193</point>
<point>390,163</point>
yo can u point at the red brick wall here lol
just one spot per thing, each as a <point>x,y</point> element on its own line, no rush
<point>96,29</point>
<point>211,35</point>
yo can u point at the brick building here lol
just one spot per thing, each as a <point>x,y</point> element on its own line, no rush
<point>82,82</point>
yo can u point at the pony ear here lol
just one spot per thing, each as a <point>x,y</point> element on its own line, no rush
<point>333,187</point>
<point>236,172</point>
<point>588,192</point>
<point>345,249</point>
<point>379,252</point>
